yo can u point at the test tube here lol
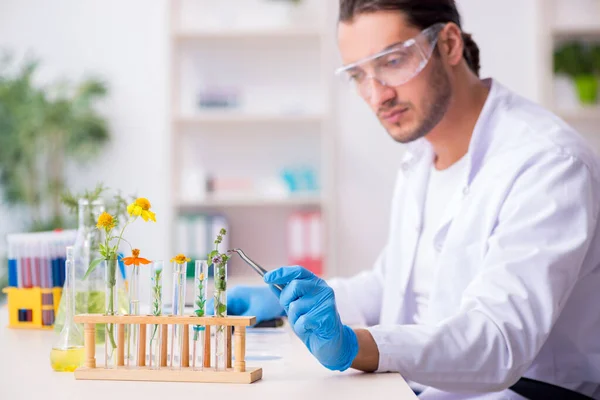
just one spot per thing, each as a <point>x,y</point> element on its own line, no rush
<point>179,276</point>
<point>220,297</point>
<point>155,330</point>
<point>200,282</point>
<point>35,262</point>
<point>13,280</point>
<point>26,259</point>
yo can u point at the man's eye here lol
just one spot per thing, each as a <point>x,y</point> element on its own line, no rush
<point>395,61</point>
<point>355,77</point>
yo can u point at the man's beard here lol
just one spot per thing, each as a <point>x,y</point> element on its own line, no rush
<point>435,109</point>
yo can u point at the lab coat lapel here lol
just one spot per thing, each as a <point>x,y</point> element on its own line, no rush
<point>416,175</point>
<point>478,148</point>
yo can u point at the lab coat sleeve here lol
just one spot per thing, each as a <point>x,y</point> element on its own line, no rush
<point>532,263</point>
<point>358,298</point>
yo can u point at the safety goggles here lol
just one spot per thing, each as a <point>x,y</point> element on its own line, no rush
<point>394,66</point>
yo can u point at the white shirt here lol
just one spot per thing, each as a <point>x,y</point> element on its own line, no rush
<point>517,282</point>
<point>442,184</point>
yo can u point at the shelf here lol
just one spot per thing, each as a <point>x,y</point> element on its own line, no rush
<point>270,33</point>
<point>233,116</point>
<point>583,113</point>
<point>577,31</point>
<point>253,201</point>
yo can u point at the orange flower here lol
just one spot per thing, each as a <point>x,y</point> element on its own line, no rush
<point>134,259</point>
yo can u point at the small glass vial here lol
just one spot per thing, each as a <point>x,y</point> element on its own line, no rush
<point>179,278</point>
<point>133,330</point>
<point>220,297</point>
<point>200,282</point>
<point>155,330</point>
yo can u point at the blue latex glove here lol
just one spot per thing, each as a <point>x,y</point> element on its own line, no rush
<point>258,301</point>
<point>310,305</point>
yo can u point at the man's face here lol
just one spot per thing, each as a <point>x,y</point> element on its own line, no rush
<point>411,110</point>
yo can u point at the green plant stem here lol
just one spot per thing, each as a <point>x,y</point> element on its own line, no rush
<point>111,303</point>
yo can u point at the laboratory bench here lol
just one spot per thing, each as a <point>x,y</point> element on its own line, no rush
<point>290,372</point>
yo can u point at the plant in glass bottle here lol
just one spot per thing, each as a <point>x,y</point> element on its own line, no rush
<point>219,261</point>
<point>200,281</point>
<point>90,293</point>
<point>134,303</point>
<point>156,285</point>
<point>178,304</point>
<point>108,250</point>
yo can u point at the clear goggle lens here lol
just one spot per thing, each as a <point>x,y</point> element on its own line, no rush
<point>394,66</point>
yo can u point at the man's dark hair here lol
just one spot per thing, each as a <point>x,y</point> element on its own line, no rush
<point>420,13</point>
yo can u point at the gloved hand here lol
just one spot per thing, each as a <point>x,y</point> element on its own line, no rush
<point>258,301</point>
<point>310,305</point>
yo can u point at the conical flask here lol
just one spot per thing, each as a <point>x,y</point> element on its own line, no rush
<point>67,352</point>
<point>88,294</point>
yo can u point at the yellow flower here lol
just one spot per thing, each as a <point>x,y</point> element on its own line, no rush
<point>106,221</point>
<point>135,259</point>
<point>141,207</point>
<point>180,259</point>
<point>201,277</point>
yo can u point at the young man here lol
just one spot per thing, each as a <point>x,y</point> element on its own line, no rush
<point>491,269</point>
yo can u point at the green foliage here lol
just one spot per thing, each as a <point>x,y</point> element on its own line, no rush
<point>219,262</point>
<point>41,129</point>
<point>577,59</point>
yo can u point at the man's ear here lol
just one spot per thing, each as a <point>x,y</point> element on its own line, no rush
<point>451,44</point>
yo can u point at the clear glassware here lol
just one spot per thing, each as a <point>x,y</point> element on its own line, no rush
<point>68,353</point>
<point>179,279</point>
<point>220,297</point>
<point>133,330</point>
<point>88,293</point>
<point>110,342</point>
<point>200,282</point>
<point>155,330</point>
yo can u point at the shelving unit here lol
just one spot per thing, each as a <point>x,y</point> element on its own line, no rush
<point>252,202</point>
<point>247,34</point>
<point>285,73</point>
<point>234,116</point>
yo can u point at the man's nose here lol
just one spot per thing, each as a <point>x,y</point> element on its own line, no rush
<point>380,93</point>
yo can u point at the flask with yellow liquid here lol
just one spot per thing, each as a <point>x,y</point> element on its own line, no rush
<point>67,352</point>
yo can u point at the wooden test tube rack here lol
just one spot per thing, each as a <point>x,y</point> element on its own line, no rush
<point>238,373</point>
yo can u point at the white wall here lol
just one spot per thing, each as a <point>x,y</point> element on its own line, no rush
<point>126,41</point>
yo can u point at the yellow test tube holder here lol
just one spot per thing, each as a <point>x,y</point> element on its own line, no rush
<point>30,299</point>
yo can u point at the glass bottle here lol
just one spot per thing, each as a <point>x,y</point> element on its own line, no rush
<point>179,278</point>
<point>155,330</point>
<point>200,282</point>
<point>67,352</point>
<point>220,297</point>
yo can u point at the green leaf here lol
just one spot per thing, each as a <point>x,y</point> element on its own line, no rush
<point>222,308</point>
<point>92,267</point>
<point>212,255</point>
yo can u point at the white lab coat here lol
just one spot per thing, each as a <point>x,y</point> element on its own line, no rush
<point>516,290</point>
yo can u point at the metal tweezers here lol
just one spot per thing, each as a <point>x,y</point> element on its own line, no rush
<point>260,270</point>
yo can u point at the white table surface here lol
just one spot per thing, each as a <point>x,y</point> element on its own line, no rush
<point>289,372</point>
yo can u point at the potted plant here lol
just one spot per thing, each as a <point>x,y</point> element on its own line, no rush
<point>580,62</point>
<point>41,129</point>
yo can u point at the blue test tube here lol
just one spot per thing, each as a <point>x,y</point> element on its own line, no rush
<point>13,279</point>
<point>55,265</point>
<point>62,262</point>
